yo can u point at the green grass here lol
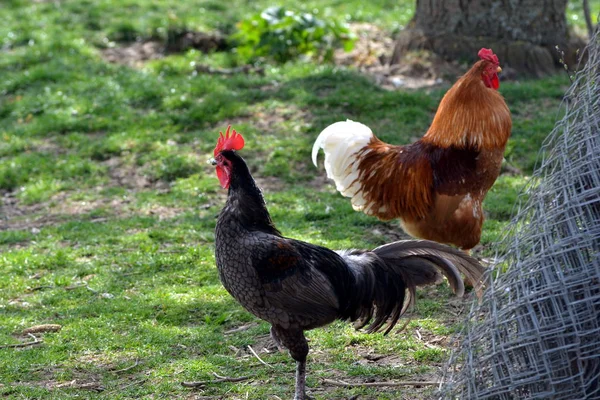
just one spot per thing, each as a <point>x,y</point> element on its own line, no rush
<point>110,204</point>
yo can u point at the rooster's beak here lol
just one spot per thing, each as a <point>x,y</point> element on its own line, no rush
<point>499,69</point>
<point>213,161</point>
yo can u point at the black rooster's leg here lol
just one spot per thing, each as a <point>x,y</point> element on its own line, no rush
<point>296,343</point>
<point>300,381</point>
<point>276,340</point>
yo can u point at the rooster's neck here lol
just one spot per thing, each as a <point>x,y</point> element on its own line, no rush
<point>245,203</point>
<point>470,115</point>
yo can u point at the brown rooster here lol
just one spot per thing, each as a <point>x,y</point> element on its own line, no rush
<point>437,184</point>
<point>297,286</point>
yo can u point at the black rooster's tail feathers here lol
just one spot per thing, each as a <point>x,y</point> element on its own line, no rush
<point>398,269</point>
<point>421,261</point>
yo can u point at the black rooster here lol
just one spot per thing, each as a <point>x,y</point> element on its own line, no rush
<point>297,286</point>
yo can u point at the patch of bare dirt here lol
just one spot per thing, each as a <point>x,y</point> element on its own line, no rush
<point>269,184</point>
<point>10,207</point>
<point>183,40</point>
<point>372,53</point>
<point>271,120</point>
<point>125,175</point>
<point>61,208</point>
<point>320,182</point>
<point>47,145</point>
<point>134,54</point>
<point>137,53</point>
<point>372,47</point>
<point>163,212</point>
<point>390,232</point>
<point>15,215</point>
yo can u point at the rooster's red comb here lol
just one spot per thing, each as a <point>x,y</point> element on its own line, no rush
<point>488,55</point>
<point>227,142</point>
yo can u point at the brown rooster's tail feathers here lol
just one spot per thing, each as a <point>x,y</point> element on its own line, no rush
<point>420,262</point>
<point>341,142</point>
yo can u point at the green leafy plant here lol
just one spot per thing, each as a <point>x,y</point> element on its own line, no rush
<point>284,35</point>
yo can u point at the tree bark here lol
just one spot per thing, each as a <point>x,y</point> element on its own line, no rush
<point>523,33</point>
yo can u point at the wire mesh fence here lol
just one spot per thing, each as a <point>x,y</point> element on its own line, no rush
<point>536,332</point>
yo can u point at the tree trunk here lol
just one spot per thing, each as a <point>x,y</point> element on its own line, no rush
<point>523,33</point>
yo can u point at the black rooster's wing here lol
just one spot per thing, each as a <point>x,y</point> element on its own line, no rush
<point>296,279</point>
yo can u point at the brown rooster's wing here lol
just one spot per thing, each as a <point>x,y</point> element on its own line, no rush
<point>395,181</point>
<point>454,170</point>
<point>403,181</point>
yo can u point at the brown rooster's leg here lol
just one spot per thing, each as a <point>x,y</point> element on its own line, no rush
<point>296,343</point>
<point>469,285</point>
<point>467,282</point>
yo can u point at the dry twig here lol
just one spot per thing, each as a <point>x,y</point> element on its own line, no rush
<point>220,380</point>
<point>118,371</point>
<point>37,288</point>
<point>240,328</point>
<point>95,386</point>
<point>92,290</point>
<point>75,286</point>
<point>26,344</point>
<point>42,328</point>
<point>258,358</point>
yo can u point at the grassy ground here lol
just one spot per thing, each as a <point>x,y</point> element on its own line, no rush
<point>109,205</point>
